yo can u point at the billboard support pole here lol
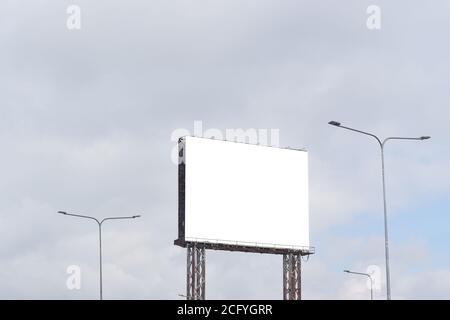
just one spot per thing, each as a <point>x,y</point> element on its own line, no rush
<point>292,276</point>
<point>196,261</point>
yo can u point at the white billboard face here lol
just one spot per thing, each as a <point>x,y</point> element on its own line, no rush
<point>243,194</point>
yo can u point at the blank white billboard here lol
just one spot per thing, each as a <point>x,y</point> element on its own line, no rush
<point>245,195</point>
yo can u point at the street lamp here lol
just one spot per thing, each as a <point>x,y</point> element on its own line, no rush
<point>100,223</point>
<point>382,144</point>
<point>367,275</point>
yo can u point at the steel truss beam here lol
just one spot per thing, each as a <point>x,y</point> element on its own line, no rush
<point>292,276</point>
<point>195,289</point>
<point>196,280</point>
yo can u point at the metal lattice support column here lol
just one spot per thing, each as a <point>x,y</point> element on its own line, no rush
<point>292,276</point>
<point>195,288</point>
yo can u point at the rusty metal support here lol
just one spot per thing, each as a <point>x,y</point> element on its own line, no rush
<point>292,276</point>
<point>195,286</point>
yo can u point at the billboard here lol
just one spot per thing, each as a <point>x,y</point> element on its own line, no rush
<point>239,195</point>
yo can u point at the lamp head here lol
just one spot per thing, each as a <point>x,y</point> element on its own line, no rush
<point>335,123</point>
<point>62,212</point>
<point>425,137</point>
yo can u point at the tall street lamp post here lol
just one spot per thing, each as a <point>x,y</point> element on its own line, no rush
<point>367,275</point>
<point>382,144</point>
<point>99,223</point>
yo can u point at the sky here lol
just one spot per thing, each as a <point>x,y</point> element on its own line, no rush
<point>87,122</point>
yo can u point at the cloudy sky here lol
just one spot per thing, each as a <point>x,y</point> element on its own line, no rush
<point>86,123</point>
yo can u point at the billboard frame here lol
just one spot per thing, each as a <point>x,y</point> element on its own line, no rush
<point>210,244</point>
<point>241,248</point>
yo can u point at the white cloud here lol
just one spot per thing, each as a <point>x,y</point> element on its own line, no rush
<point>86,118</point>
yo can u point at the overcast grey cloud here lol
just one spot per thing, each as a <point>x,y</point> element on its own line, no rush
<point>86,118</point>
